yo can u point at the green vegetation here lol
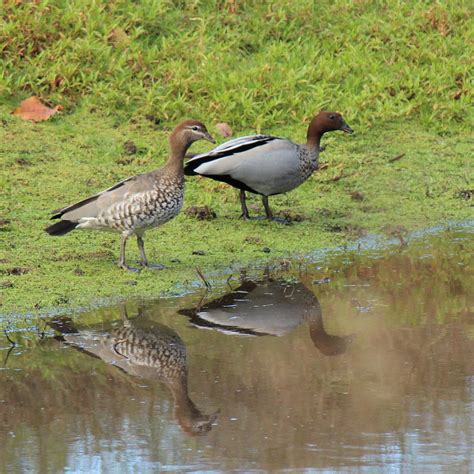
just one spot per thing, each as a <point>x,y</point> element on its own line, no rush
<point>397,71</point>
<point>255,64</point>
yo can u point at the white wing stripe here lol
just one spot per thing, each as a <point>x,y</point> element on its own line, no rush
<point>234,145</point>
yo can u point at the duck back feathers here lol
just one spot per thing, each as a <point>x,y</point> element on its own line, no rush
<point>261,164</point>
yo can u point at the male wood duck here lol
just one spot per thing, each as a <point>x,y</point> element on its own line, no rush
<point>264,164</point>
<point>269,307</point>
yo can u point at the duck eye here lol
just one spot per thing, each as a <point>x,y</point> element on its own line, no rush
<point>332,116</point>
<point>195,128</point>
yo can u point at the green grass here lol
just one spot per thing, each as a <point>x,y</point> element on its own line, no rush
<point>398,71</point>
<point>257,65</point>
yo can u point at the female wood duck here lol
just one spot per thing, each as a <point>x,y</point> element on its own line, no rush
<point>139,203</point>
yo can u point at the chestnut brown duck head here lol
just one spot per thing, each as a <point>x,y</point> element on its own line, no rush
<point>322,123</point>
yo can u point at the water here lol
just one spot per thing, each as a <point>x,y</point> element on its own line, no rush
<point>363,364</point>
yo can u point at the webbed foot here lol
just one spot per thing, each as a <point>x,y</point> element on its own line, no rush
<point>281,220</point>
<point>153,266</point>
<point>124,266</point>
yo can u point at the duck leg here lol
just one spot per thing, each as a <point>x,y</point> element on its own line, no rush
<point>268,211</point>
<point>121,262</point>
<point>124,313</point>
<point>143,259</point>
<point>243,204</point>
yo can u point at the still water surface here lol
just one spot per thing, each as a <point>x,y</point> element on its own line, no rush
<point>364,364</point>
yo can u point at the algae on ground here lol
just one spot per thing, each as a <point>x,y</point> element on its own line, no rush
<point>360,189</point>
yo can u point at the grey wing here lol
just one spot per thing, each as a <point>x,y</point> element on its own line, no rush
<point>265,166</point>
<point>92,206</point>
<point>231,147</point>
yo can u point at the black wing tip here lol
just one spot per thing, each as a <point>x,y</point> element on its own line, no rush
<point>61,228</point>
<point>198,160</point>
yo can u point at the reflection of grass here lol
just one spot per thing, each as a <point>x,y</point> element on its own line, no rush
<point>427,282</point>
<point>397,72</point>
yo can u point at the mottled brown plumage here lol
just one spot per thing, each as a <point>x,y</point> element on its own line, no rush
<point>139,203</point>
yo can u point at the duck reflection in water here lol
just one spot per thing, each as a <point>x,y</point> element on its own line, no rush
<point>146,349</point>
<point>269,307</point>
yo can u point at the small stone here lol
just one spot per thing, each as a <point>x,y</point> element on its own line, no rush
<point>201,213</point>
<point>266,250</point>
<point>131,282</point>
<point>357,196</point>
<point>78,271</point>
<point>6,284</point>
<point>198,252</point>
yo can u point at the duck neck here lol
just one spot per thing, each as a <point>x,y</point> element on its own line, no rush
<point>185,411</point>
<point>314,134</point>
<point>178,149</point>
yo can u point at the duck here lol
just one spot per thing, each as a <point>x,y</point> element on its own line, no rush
<point>142,348</point>
<point>138,203</point>
<point>265,164</point>
<point>268,307</point>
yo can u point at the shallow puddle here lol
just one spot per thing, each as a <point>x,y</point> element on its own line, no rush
<point>365,363</point>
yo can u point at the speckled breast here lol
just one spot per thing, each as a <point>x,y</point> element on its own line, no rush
<point>160,207</point>
<point>308,163</point>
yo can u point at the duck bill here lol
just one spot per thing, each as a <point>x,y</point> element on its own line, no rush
<point>207,136</point>
<point>346,128</point>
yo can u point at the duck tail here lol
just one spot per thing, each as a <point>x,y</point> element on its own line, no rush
<point>61,228</point>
